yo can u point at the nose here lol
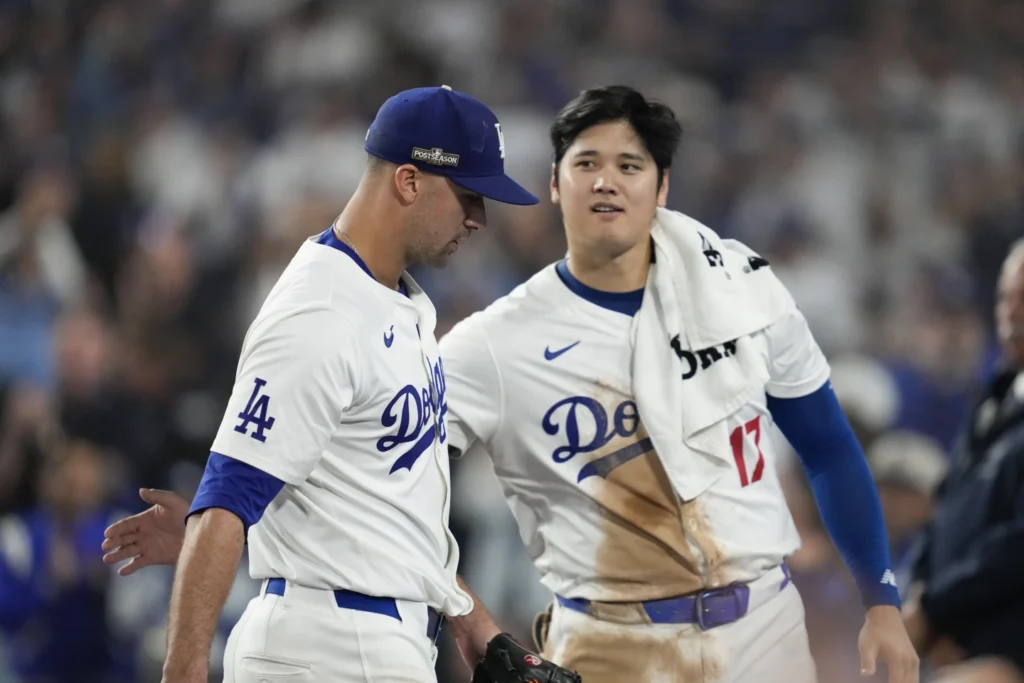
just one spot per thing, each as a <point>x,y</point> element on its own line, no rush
<point>603,186</point>
<point>476,216</point>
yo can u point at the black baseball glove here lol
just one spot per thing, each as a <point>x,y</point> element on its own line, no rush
<point>507,661</point>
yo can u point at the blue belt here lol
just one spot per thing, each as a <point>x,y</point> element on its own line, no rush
<point>368,603</point>
<point>707,609</point>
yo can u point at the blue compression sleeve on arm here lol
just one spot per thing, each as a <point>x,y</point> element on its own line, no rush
<point>843,488</point>
<point>237,487</point>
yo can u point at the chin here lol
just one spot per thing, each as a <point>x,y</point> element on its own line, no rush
<point>613,239</point>
<point>438,262</point>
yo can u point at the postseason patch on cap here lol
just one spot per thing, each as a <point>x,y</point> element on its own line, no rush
<point>435,156</point>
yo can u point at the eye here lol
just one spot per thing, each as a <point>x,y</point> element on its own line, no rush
<point>584,163</point>
<point>630,168</point>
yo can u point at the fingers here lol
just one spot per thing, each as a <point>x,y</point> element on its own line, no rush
<point>119,541</point>
<point>868,657</point>
<point>903,665</point>
<point>136,560</point>
<point>159,497</point>
<point>121,554</point>
<point>135,565</point>
<point>123,527</point>
<point>913,667</point>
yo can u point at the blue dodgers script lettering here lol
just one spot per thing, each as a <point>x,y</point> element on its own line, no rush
<point>584,423</point>
<point>419,414</point>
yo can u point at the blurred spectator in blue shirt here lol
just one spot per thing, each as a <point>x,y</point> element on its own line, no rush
<point>53,584</point>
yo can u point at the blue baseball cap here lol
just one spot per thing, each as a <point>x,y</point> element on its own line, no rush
<point>448,133</point>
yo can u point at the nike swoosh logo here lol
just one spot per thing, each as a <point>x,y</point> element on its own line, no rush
<point>389,338</point>
<point>551,355</point>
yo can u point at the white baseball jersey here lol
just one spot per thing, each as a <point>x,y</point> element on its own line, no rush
<point>541,380</point>
<point>340,393</point>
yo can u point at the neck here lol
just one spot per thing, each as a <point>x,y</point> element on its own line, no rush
<point>374,232</point>
<point>626,272</point>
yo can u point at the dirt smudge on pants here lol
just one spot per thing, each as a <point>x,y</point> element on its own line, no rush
<point>613,657</point>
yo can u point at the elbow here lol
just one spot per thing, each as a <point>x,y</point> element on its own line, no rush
<point>215,523</point>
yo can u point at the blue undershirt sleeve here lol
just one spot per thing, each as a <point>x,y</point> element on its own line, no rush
<point>237,487</point>
<point>843,487</point>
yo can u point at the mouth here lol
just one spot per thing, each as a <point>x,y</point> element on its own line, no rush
<point>606,208</point>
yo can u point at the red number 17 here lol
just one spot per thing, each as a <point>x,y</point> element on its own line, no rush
<point>738,442</point>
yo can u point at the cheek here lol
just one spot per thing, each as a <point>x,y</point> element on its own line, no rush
<point>575,194</point>
<point>643,200</point>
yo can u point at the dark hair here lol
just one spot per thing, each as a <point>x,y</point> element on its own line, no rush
<point>654,122</point>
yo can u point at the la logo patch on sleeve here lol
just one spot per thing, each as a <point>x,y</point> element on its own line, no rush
<point>256,413</point>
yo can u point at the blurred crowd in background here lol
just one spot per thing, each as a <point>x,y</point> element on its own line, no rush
<point>160,161</point>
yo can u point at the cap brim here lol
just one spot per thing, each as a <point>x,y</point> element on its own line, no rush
<point>500,188</point>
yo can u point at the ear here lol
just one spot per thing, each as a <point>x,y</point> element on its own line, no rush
<point>408,182</point>
<point>555,196</point>
<point>663,190</point>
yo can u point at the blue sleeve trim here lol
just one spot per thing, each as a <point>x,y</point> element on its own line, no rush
<point>843,488</point>
<point>237,487</point>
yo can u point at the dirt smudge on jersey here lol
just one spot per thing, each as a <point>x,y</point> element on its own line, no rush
<point>696,523</point>
<point>655,545</point>
<point>645,553</point>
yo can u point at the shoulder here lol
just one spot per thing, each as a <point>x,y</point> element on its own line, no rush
<point>532,304</point>
<point>306,339</point>
<point>321,279</point>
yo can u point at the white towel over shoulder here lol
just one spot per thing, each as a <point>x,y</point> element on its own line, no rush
<point>709,295</point>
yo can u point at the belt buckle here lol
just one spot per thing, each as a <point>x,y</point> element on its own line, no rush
<point>727,592</point>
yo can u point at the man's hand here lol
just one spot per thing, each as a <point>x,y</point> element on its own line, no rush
<point>151,537</point>
<point>506,661</point>
<point>473,631</point>
<point>884,636</point>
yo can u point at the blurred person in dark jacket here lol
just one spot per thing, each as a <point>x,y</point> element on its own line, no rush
<point>967,599</point>
<point>53,583</point>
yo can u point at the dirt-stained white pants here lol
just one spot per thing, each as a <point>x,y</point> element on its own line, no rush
<point>304,637</point>
<point>768,645</point>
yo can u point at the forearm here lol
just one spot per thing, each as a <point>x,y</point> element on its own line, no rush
<point>849,506</point>
<point>473,631</point>
<point>843,489</point>
<point>206,570</point>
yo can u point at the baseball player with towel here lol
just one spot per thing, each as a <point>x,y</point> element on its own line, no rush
<point>332,457</point>
<point>625,396</point>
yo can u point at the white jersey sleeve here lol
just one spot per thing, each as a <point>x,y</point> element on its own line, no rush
<point>295,378</point>
<point>473,385</point>
<point>797,367</point>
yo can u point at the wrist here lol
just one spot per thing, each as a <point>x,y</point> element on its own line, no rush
<point>883,612</point>
<point>484,634</point>
<point>879,595</point>
<point>185,670</point>
<point>476,632</point>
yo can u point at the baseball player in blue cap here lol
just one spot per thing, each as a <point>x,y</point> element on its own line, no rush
<point>334,439</point>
